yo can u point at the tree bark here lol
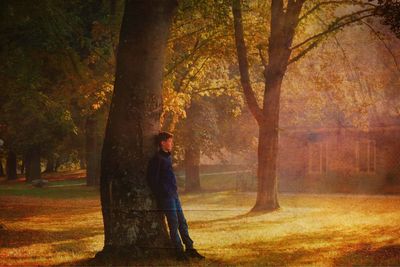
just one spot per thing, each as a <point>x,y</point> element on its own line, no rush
<point>92,152</point>
<point>11,165</point>
<point>132,225</point>
<point>268,139</point>
<point>33,170</point>
<point>192,170</point>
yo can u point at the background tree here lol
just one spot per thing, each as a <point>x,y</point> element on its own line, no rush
<point>37,62</point>
<point>200,55</point>
<point>95,40</point>
<point>63,51</point>
<point>285,24</point>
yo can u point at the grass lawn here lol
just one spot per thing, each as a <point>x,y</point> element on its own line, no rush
<point>63,226</point>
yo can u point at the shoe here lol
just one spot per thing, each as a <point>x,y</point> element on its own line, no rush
<point>193,253</point>
<point>181,256</point>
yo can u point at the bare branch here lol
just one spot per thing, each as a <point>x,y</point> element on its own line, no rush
<point>320,4</point>
<point>320,36</point>
<point>304,52</point>
<point>263,61</point>
<point>384,43</point>
<point>336,25</point>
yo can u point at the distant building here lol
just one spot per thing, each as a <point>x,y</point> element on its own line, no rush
<point>341,159</point>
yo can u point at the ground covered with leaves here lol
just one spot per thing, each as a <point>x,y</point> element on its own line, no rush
<point>62,225</point>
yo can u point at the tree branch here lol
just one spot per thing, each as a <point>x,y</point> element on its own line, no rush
<point>195,74</point>
<point>190,54</point>
<point>320,4</point>
<point>243,63</point>
<point>384,43</point>
<point>304,52</point>
<point>197,46</point>
<point>319,38</point>
<point>178,88</point>
<point>263,61</point>
<point>221,88</point>
<point>336,25</point>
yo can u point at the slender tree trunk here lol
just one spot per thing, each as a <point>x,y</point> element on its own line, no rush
<point>33,170</point>
<point>22,165</point>
<point>24,168</point>
<point>1,168</point>
<point>11,165</point>
<point>50,164</point>
<point>268,139</point>
<point>82,160</point>
<point>57,164</point>
<point>132,227</point>
<point>192,170</point>
<point>92,153</point>
<point>192,152</point>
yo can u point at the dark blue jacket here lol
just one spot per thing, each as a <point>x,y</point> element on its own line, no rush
<point>161,177</point>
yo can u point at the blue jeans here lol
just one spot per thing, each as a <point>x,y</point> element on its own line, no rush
<point>176,221</point>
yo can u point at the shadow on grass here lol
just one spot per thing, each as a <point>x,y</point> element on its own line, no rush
<point>143,262</point>
<point>10,238</point>
<point>314,248</point>
<point>367,255</point>
<point>272,253</point>
<point>267,254</point>
<point>249,214</point>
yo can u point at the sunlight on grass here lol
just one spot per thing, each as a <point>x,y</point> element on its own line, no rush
<point>307,230</point>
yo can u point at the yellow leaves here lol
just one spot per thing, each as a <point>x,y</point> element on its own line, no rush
<point>174,103</point>
<point>96,93</point>
<point>96,106</point>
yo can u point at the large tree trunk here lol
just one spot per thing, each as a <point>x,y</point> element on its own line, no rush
<point>192,170</point>
<point>33,170</point>
<point>131,225</point>
<point>11,166</point>
<point>92,152</point>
